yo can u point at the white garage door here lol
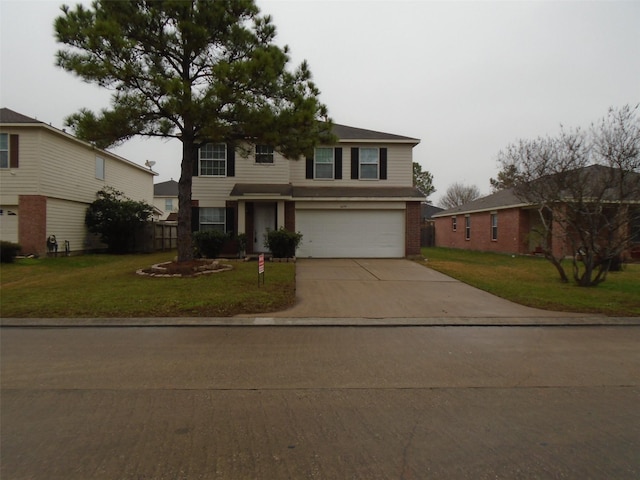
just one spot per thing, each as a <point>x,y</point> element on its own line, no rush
<point>9,223</point>
<point>351,233</point>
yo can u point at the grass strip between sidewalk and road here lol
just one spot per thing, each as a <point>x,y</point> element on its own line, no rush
<point>534,282</point>
<point>106,286</point>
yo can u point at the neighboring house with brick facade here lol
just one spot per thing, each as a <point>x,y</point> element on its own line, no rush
<point>352,199</point>
<point>165,198</point>
<point>47,180</point>
<point>503,223</point>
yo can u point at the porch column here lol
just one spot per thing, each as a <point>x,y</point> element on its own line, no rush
<point>242,227</point>
<point>280,215</point>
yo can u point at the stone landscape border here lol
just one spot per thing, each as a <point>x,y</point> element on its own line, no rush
<point>159,270</point>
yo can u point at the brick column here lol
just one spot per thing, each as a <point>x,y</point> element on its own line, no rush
<point>412,236</point>
<point>32,224</point>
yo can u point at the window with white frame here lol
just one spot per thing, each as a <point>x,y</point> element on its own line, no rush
<point>454,224</point>
<point>467,227</point>
<point>323,163</point>
<point>494,226</point>
<point>212,218</point>
<point>100,168</point>
<point>213,160</point>
<point>369,163</point>
<point>168,204</point>
<point>264,154</point>
<point>4,150</point>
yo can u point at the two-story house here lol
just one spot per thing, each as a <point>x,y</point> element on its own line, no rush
<point>352,199</point>
<point>165,198</point>
<point>47,180</point>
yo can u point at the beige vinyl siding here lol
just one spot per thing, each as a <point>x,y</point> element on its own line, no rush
<point>65,220</point>
<point>57,165</point>
<point>212,191</point>
<point>399,168</point>
<point>69,172</point>
<point>25,179</point>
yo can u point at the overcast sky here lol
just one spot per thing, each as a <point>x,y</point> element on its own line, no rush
<point>466,78</point>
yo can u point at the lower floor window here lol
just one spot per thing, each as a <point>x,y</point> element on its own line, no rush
<point>494,226</point>
<point>212,218</point>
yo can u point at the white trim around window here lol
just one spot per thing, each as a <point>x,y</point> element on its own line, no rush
<point>324,163</point>
<point>4,150</point>
<point>369,167</point>
<point>212,160</point>
<point>212,218</point>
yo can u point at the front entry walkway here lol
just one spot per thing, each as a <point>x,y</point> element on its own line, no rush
<point>392,288</point>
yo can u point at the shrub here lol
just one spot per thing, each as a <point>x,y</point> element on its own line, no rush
<point>117,218</point>
<point>8,251</point>
<point>283,243</point>
<point>209,243</point>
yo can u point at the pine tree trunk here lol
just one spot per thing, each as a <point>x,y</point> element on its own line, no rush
<point>185,248</point>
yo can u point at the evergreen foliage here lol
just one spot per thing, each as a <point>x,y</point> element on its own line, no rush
<point>198,71</point>
<point>117,219</point>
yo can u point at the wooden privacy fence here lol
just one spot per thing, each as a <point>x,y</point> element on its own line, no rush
<point>165,236</point>
<point>428,234</point>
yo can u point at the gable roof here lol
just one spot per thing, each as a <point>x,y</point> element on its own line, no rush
<point>508,199</point>
<point>499,200</point>
<point>427,210</point>
<point>9,116</point>
<point>166,189</point>
<point>344,132</point>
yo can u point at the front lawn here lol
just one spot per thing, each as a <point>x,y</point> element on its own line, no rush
<point>101,286</point>
<point>534,282</point>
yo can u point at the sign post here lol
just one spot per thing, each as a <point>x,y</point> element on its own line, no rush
<point>261,268</point>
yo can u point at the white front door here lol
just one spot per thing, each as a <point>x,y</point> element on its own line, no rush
<point>264,218</point>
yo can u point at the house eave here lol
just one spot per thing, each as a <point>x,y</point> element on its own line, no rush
<point>76,140</point>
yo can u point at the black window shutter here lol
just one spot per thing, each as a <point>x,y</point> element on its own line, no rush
<point>383,164</point>
<point>231,160</point>
<point>195,219</point>
<point>195,171</point>
<point>337,174</point>
<point>230,225</point>
<point>355,160</point>
<point>13,151</point>
<point>309,169</point>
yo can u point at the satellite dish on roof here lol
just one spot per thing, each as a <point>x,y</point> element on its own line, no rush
<point>149,163</point>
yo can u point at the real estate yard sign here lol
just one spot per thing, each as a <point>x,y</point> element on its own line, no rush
<point>261,268</point>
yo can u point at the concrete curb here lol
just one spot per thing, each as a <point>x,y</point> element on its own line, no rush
<point>318,322</point>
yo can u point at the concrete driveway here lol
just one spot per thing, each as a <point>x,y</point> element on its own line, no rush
<point>394,289</point>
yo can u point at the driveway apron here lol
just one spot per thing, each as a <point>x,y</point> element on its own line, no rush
<point>391,288</point>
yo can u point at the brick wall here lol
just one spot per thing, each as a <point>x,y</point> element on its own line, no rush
<point>513,228</point>
<point>412,237</point>
<point>32,224</point>
<point>290,216</point>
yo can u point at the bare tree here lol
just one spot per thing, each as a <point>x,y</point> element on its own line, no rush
<point>458,194</point>
<point>586,187</point>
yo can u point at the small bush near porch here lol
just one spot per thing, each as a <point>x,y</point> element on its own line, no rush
<point>533,282</point>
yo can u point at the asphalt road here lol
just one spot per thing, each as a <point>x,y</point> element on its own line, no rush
<point>320,403</point>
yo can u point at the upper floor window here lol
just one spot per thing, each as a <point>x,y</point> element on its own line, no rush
<point>213,160</point>
<point>264,154</point>
<point>323,163</point>
<point>4,150</point>
<point>168,204</point>
<point>100,168</point>
<point>212,218</point>
<point>494,226</point>
<point>369,162</point>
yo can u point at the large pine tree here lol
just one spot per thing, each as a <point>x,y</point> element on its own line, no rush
<point>196,70</point>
